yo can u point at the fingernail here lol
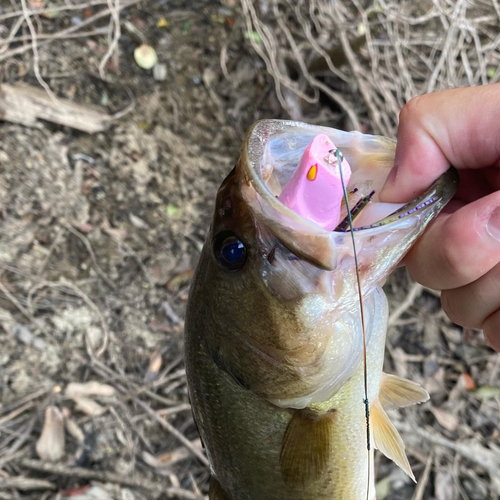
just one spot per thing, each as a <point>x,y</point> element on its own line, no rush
<point>493,224</point>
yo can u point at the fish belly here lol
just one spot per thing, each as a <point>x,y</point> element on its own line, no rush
<point>243,433</point>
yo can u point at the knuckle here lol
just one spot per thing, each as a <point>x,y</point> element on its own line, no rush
<point>449,307</point>
<point>491,329</point>
<point>411,111</point>
<point>453,264</point>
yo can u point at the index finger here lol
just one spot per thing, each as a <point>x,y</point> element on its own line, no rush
<point>458,127</point>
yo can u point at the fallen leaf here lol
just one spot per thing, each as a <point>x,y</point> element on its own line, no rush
<point>138,222</point>
<point>155,362</point>
<point>162,23</point>
<point>92,388</point>
<point>179,279</point>
<point>445,488</point>
<point>253,36</point>
<point>383,488</point>
<point>447,420</point>
<point>88,406</point>
<point>173,211</point>
<point>487,392</point>
<point>74,430</point>
<point>50,446</point>
<point>468,381</point>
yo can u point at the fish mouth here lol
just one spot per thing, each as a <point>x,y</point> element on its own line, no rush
<point>275,149</point>
<point>441,190</point>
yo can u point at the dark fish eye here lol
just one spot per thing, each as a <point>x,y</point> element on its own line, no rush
<point>229,251</point>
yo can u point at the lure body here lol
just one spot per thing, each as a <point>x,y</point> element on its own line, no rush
<point>274,341</point>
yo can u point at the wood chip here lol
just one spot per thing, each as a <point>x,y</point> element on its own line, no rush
<point>93,388</point>
<point>27,105</point>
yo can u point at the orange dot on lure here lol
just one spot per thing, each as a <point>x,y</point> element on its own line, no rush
<point>313,172</point>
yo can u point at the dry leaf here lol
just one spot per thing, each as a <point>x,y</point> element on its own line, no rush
<point>75,389</point>
<point>447,420</point>
<point>468,381</point>
<point>445,485</point>
<point>50,445</point>
<point>155,362</point>
<point>88,406</point>
<point>74,430</point>
<point>180,279</point>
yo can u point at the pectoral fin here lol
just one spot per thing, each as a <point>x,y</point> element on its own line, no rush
<point>216,492</point>
<point>387,439</point>
<point>307,446</point>
<point>396,392</point>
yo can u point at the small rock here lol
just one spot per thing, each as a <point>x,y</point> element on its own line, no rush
<point>160,72</point>
<point>138,222</point>
<point>94,336</point>
<point>170,313</point>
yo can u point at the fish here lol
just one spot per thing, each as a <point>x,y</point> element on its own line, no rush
<point>274,337</point>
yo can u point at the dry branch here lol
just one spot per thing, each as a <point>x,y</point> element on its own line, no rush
<point>26,105</point>
<point>25,484</point>
<point>374,55</point>
<point>107,477</point>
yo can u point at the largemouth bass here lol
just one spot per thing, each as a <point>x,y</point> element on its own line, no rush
<point>274,339</point>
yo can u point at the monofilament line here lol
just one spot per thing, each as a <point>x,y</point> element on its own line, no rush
<point>340,157</point>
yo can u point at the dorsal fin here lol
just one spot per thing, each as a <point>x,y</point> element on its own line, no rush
<point>397,392</point>
<point>307,446</point>
<point>387,439</point>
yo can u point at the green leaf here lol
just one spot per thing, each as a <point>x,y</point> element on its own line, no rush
<point>254,36</point>
<point>487,392</point>
<point>173,211</point>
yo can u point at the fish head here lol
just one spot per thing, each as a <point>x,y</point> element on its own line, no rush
<point>275,297</point>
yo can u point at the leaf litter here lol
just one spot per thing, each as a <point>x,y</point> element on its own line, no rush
<point>107,246</point>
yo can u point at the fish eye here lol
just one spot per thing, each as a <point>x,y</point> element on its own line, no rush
<point>229,251</point>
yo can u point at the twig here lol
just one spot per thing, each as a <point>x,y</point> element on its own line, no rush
<point>172,430</point>
<point>24,400</point>
<point>88,246</point>
<point>61,8</point>
<point>67,31</point>
<point>414,292</point>
<point>11,297</point>
<point>65,283</point>
<point>56,36</point>
<point>424,479</point>
<point>107,477</point>
<point>25,484</point>
<point>16,412</point>
<point>115,21</point>
<point>36,55</point>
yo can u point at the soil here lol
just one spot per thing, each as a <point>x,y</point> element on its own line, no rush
<point>99,237</point>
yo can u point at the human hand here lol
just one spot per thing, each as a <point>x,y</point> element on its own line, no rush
<point>460,252</point>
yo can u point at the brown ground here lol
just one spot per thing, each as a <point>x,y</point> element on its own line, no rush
<point>99,236</point>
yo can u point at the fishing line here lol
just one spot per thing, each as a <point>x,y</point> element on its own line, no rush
<point>340,157</point>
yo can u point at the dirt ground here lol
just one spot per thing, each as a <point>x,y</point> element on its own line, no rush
<point>99,237</point>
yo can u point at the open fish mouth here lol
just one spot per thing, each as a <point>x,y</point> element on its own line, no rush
<point>282,157</point>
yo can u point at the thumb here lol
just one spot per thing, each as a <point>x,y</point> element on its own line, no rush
<point>457,127</point>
